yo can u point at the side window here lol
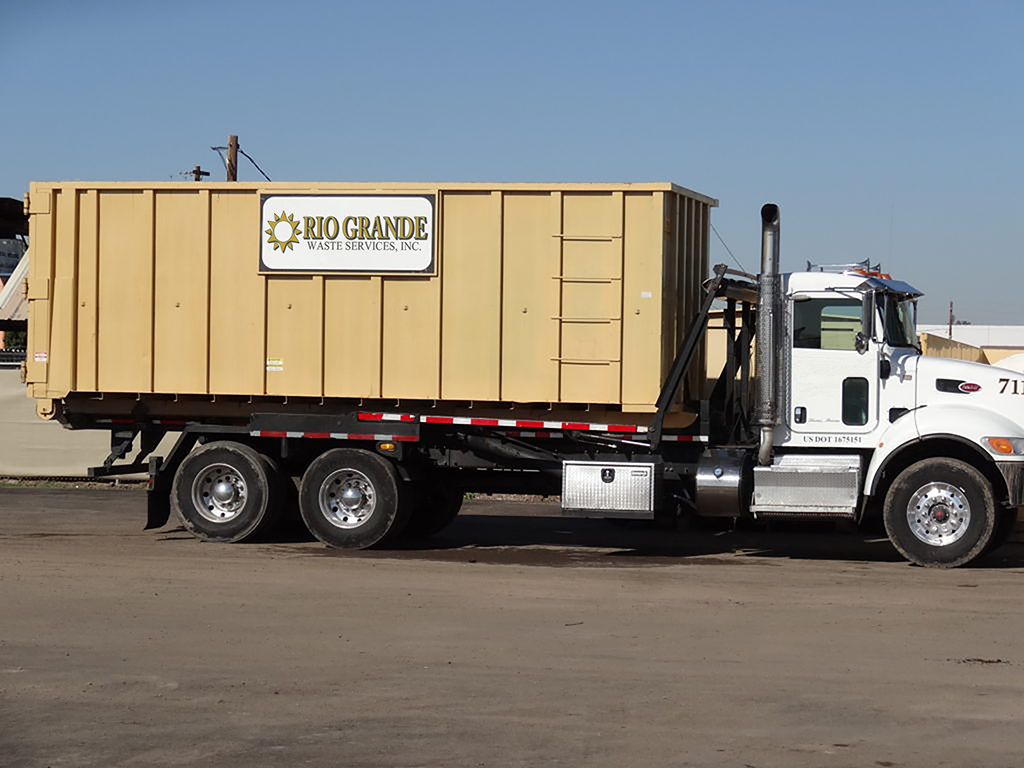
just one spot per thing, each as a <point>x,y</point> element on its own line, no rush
<point>831,323</point>
<point>855,401</point>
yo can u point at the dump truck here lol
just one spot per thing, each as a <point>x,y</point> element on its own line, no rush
<point>363,355</point>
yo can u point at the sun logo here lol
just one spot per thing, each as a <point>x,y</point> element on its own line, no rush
<point>283,232</point>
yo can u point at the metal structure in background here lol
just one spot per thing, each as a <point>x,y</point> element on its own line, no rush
<point>13,268</point>
<point>11,358</point>
<point>11,251</point>
<point>13,221</point>
<point>13,303</point>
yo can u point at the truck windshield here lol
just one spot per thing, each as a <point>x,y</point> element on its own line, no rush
<point>899,315</point>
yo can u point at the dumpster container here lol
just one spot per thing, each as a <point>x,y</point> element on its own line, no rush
<point>564,295</point>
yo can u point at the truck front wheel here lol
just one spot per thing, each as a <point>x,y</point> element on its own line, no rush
<point>940,513</point>
<point>224,491</point>
<point>351,499</point>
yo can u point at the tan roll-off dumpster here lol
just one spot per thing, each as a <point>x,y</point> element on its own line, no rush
<point>484,293</point>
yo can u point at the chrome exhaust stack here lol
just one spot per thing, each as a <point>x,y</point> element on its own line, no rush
<point>769,320</point>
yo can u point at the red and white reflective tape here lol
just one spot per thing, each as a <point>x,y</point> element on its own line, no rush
<point>337,436</point>
<point>535,428</point>
<point>559,435</point>
<point>406,417</point>
<point>473,421</point>
<point>522,427</point>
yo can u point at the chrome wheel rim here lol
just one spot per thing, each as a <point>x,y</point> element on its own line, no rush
<point>939,514</point>
<point>219,493</point>
<point>347,498</point>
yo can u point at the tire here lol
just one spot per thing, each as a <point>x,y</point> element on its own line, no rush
<point>436,505</point>
<point>374,512</point>
<point>224,491</point>
<point>1006,524</point>
<point>940,513</point>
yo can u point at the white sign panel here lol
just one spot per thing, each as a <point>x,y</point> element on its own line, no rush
<point>347,233</point>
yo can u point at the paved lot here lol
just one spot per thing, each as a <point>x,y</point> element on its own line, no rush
<point>509,641</point>
<point>31,446</point>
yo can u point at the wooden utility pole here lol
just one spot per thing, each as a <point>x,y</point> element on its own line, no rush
<point>198,173</point>
<point>232,158</point>
<point>950,320</point>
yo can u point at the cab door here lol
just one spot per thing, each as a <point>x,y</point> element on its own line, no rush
<point>834,366</point>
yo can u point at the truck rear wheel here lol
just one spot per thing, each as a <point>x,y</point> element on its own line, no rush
<point>940,513</point>
<point>223,491</point>
<point>351,499</point>
<point>436,505</point>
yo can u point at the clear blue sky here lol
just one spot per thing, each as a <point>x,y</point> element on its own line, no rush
<point>890,130</point>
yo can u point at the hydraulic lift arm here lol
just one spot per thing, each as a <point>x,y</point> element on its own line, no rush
<point>720,286</point>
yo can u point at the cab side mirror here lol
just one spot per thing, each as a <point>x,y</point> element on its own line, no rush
<point>860,342</point>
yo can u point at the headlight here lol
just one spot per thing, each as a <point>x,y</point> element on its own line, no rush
<point>1004,446</point>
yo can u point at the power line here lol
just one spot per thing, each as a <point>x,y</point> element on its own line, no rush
<point>254,163</point>
<point>220,152</point>
<point>728,249</point>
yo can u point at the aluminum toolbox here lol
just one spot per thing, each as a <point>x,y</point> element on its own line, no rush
<point>616,489</point>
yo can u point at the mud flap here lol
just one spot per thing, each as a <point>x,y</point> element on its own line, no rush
<point>161,477</point>
<point>158,496</point>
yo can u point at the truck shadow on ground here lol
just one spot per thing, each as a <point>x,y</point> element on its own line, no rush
<point>566,541</point>
<point>556,541</point>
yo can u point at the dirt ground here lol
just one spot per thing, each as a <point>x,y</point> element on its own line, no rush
<point>514,639</point>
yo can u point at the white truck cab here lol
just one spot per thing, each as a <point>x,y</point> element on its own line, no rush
<point>865,423</point>
<point>853,351</point>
